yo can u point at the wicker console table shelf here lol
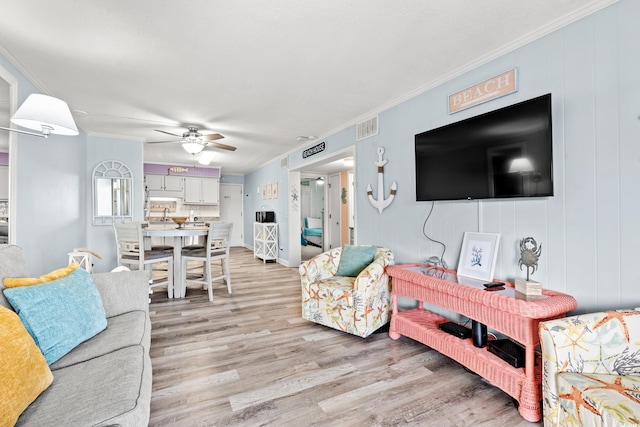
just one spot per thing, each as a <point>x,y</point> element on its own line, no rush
<point>505,311</point>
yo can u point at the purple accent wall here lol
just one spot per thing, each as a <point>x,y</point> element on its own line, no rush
<point>192,170</point>
<point>4,158</point>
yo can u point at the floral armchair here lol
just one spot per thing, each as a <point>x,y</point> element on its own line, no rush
<point>357,305</point>
<point>591,369</point>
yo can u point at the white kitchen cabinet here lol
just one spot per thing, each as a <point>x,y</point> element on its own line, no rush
<point>201,191</point>
<point>164,185</point>
<point>173,183</point>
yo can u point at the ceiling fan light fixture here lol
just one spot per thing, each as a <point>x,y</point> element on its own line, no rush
<point>205,158</point>
<point>192,147</point>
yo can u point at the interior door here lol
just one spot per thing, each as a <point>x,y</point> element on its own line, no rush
<point>306,203</point>
<point>334,211</point>
<point>231,210</point>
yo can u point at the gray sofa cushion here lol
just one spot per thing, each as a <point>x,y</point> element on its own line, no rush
<point>126,330</point>
<point>12,265</point>
<point>123,292</point>
<point>74,399</point>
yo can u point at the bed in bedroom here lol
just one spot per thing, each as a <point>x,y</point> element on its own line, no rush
<point>312,231</point>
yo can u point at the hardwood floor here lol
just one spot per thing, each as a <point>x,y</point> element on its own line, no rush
<point>249,359</point>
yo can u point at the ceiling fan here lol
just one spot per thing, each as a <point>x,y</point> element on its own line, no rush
<point>194,142</point>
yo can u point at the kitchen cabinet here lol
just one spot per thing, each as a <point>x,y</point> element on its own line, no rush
<point>201,191</point>
<point>164,185</point>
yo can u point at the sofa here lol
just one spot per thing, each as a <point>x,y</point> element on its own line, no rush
<point>348,289</point>
<point>591,369</point>
<point>102,381</point>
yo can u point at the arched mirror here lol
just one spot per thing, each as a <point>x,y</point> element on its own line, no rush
<point>112,193</point>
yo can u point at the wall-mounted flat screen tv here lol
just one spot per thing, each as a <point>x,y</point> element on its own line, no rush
<point>500,154</point>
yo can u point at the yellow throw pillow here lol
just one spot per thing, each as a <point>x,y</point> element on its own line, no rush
<point>10,282</point>
<point>25,372</point>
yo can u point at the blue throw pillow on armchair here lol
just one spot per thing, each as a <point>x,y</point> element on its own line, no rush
<point>354,259</point>
<point>60,314</point>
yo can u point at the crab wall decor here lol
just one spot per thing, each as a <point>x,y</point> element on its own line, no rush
<point>529,254</point>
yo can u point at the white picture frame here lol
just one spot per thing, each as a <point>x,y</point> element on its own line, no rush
<point>478,255</point>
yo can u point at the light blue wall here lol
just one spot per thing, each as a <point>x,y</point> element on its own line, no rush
<point>589,229</point>
<point>53,200</point>
<point>231,179</point>
<point>100,238</point>
<point>253,202</point>
<point>50,195</point>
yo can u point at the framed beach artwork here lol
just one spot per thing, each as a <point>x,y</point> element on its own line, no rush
<point>269,191</point>
<point>274,190</point>
<point>478,255</point>
<point>264,191</point>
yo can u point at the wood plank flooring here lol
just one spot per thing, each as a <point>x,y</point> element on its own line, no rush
<point>249,359</point>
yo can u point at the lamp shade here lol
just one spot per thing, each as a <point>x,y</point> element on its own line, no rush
<point>46,114</point>
<point>192,147</point>
<point>521,164</point>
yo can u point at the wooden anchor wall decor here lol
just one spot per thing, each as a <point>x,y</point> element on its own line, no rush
<point>381,202</point>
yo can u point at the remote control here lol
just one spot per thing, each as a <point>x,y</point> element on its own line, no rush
<point>493,285</point>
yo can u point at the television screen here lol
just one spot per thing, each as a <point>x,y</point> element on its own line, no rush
<point>500,154</point>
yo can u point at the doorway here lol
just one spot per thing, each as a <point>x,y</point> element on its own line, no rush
<point>341,165</point>
<point>335,218</point>
<point>8,171</point>
<point>312,212</point>
<point>231,210</point>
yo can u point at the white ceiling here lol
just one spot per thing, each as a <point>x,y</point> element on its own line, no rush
<point>261,73</point>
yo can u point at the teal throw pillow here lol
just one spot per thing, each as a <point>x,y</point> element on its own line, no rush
<point>354,259</point>
<point>60,314</point>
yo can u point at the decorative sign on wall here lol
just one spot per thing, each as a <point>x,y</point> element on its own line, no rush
<point>177,169</point>
<point>270,191</point>
<point>381,202</point>
<point>318,148</point>
<point>495,87</point>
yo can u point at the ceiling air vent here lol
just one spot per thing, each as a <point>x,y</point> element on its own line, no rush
<point>367,128</point>
<point>284,162</point>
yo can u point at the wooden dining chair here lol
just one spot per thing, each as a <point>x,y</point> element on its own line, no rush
<point>216,248</point>
<point>131,253</point>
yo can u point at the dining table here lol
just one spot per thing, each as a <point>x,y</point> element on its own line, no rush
<point>177,235</point>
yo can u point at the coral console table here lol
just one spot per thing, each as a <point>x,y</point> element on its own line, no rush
<point>505,311</point>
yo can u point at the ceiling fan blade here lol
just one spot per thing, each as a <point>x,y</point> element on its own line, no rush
<point>211,137</point>
<point>221,146</point>
<point>169,133</point>
<point>159,142</point>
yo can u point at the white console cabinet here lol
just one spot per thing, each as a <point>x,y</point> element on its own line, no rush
<point>265,241</point>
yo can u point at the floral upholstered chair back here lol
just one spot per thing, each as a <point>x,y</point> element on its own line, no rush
<point>357,302</point>
<point>591,369</point>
